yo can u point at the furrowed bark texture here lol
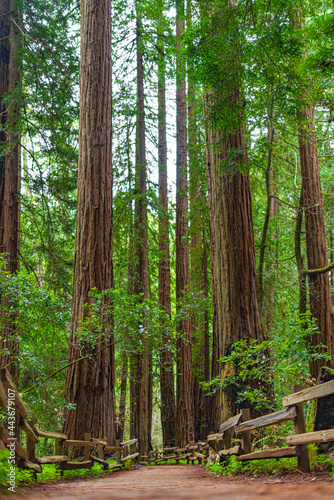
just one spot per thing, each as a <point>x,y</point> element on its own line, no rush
<point>237,306</point>
<point>319,287</point>
<point>9,175</point>
<point>216,407</point>
<point>321,306</point>
<point>142,386</point>
<point>233,266</point>
<point>184,392</point>
<point>166,353</point>
<point>198,268</point>
<point>90,383</point>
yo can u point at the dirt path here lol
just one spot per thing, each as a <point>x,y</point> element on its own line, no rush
<point>180,482</point>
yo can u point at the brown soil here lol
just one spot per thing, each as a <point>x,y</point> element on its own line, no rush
<point>184,482</point>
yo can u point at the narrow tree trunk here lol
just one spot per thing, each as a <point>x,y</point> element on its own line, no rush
<point>216,416</point>
<point>90,383</point>
<point>122,399</point>
<point>166,352</point>
<point>300,263</point>
<point>142,388</point>
<point>199,329</point>
<point>269,208</point>
<point>332,260</point>
<point>9,175</point>
<point>184,394</point>
<point>267,297</point>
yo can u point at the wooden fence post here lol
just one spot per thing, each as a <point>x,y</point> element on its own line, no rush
<point>300,428</point>
<point>31,455</point>
<point>100,451</point>
<point>227,439</point>
<point>59,451</point>
<point>118,453</point>
<point>87,437</point>
<point>246,443</point>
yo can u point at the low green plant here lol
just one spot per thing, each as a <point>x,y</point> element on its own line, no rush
<point>4,468</point>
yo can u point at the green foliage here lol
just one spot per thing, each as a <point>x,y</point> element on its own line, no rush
<point>279,363</point>
<point>42,322</point>
<point>269,467</point>
<point>4,469</point>
<point>255,468</point>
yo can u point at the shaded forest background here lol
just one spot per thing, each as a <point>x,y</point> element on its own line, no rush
<point>222,123</point>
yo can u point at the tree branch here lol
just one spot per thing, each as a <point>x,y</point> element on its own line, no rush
<point>66,366</point>
<point>322,270</point>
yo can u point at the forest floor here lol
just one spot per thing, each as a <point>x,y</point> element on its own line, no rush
<point>181,483</point>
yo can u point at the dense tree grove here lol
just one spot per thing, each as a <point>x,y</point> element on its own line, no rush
<point>166,210</point>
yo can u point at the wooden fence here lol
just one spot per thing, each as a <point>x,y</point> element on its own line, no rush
<point>94,450</point>
<point>241,425</point>
<point>217,446</point>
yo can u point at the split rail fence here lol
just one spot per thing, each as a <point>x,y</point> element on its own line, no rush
<point>95,450</point>
<point>293,410</point>
<point>218,447</point>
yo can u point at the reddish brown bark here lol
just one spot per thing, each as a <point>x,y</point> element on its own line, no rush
<point>198,265</point>
<point>237,306</point>
<point>122,399</point>
<point>216,416</point>
<point>9,175</point>
<point>184,389</point>
<point>90,383</point>
<point>166,352</point>
<point>233,266</point>
<point>319,287</point>
<point>142,386</point>
<point>321,306</point>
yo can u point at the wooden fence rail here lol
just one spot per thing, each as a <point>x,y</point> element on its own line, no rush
<point>94,449</point>
<point>293,410</point>
<point>217,446</point>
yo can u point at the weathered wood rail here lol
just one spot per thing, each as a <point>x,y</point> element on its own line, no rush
<point>191,453</point>
<point>241,425</point>
<point>94,449</point>
<point>218,447</point>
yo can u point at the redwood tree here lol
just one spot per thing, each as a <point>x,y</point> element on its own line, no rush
<point>141,386</point>
<point>9,172</point>
<point>90,382</point>
<point>166,352</point>
<point>184,388</point>
<point>198,260</point>
<point>321,306</point>
<point>233,256</point>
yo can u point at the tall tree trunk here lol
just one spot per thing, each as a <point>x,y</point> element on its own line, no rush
<point>216,416</point>
<point>266,298</point>
<point>184,392</point>
<point>122,399</point>
<point>90,382</point>
<point>300,263</point>
<point>321,306</point>
<point>199,326</point>
<point>142,387</point>
<point>236,295</point>
<point>9,175</point>
<point>319,287</point>
<point>166,352</point>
